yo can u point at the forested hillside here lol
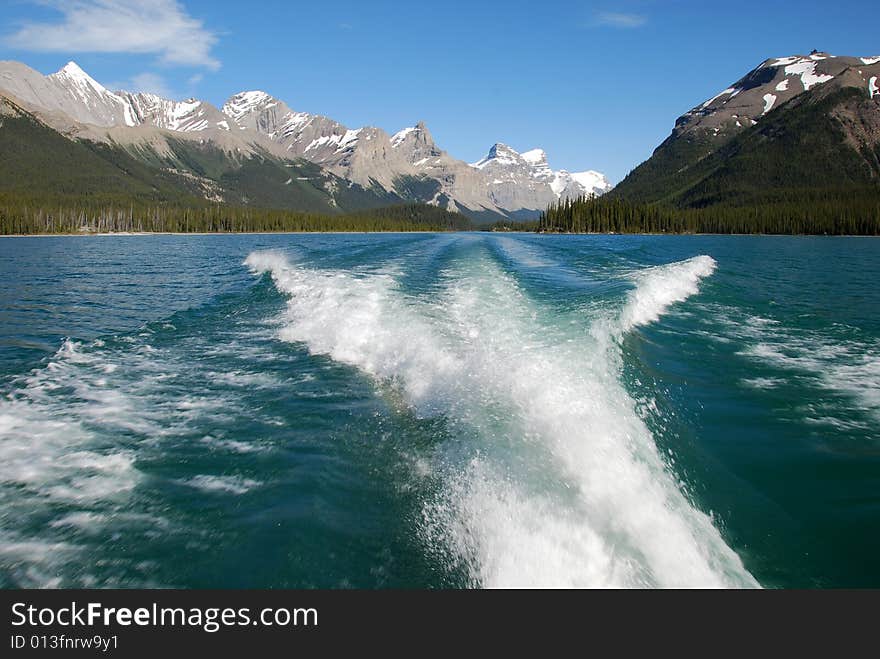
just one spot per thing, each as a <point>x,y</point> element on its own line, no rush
<point>22,217</point>
<point>829,211</point>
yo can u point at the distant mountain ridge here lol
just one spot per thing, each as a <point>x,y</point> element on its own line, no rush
<point>370,156</point>
<point>517,176</point>
<point>252,125</point>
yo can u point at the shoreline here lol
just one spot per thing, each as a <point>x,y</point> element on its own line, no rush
<point>204,233</point>
<point>355,233</point>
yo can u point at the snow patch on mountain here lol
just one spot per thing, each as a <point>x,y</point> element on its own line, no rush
<point>807,72</point>
<point>730,91</point>
<point>399,137</point>
<point>348,140</point>
<point>179,116</point>
<point>535,156</point>
<point>245,103</point>
<point>785,61</point>
<point>592,180</point>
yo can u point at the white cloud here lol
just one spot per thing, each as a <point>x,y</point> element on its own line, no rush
<point>617,19</point>
<point>155,27</point>
<point>151,83</point>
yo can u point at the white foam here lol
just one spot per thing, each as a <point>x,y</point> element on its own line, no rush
<point>83,521</point>
<point>243,379</point>
<point>51,455</point>
<point>221,484</point>
<point>763,383</point>
<point>63,462</point>
<point>70,434</point>
<point>561,483</point>
<point>345,316</point>
<point>851,369</point>
<point>847,366</point>
<point>236,446</point>
<point>659,288</point>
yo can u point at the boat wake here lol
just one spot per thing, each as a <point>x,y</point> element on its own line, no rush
<point>552,479</point>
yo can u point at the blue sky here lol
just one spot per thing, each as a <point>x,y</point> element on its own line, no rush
<point>596,84</point>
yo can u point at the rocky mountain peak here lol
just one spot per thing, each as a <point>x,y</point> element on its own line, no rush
<point>72,76</point>
<point>512,172</point>
<point>500,154</point>
<point>244,103</point>
<point>412,135</point>
<point>72,70</point>
<point>774,82</point>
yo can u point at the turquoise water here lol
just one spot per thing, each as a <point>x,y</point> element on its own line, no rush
<point>439,411</point>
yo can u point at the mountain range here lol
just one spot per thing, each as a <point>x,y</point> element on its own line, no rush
<point>795,134</point>
<point>255,150</point>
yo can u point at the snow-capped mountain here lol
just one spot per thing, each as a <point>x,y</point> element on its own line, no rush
<point>180,116</point>
<point>368,156</point>
<point>789,128</point>
<point>511,173</point>
<point>301,135</point>
<point>408,164</point>
<point>70,92</point>
<point>773,83</point>
<point>258,111</point>
<point>74,93</point>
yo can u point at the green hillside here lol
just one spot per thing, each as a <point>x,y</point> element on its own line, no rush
<point>812,165</point>
<point>40,163</point>
<point>802,148</point>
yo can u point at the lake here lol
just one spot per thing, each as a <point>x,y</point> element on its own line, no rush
<point>439,410</point>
